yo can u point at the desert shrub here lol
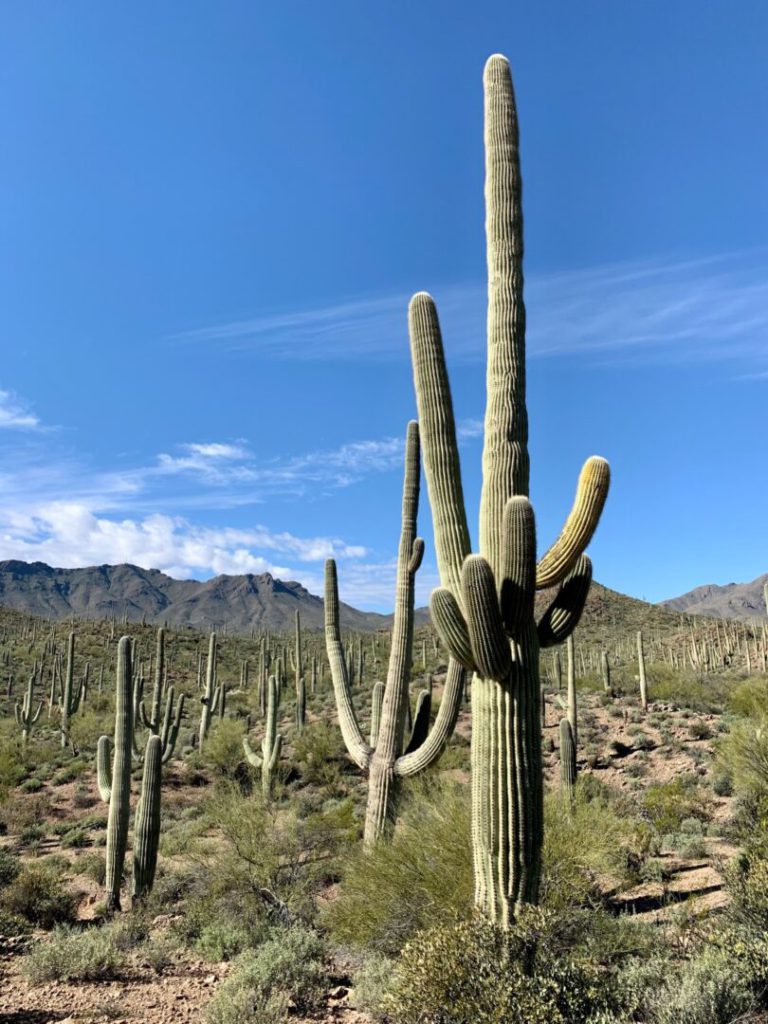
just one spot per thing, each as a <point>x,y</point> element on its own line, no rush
<point>223,938</point>
<point>38,895</point>
<point>742,755</point>
<point>591,841</point>
<point>223,749</point>
<point>287,969</point>
<point>668,804</point>
<point>22,812</point>
<point>699,730</point>
<point>10,866</point>
<point>710,989</point>
<point>371,983</point>
<point>93,866</point>
<point>493,977</point>
<point>668,685</point>
<point>31,785</point>
<point>318,753</point>
<point>70,954</point>
<point>750,698</point>
<point>423,876</point>
<point>12,925</point>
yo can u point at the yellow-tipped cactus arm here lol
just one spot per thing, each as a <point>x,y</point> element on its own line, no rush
<point>591,492</point>
<point>358,749</point>
<point>438,441</point>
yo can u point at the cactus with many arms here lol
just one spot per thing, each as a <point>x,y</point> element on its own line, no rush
<point>272,742</point>
<point>386,762</point>
<point>152,721</point>
<point>26,718</point>
<point>484,608</point>
<point>212,695</point>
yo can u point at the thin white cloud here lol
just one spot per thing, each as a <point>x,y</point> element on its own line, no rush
<point>14,414</point>
<point>663,309</point>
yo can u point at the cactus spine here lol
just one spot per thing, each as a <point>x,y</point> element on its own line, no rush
<point>386,763</point>
<point>484,608</point>
<point>146,828</point>
<point>26,718</point>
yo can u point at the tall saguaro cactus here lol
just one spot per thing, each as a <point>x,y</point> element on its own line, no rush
<point>213,693</point>
<point>271,744</point>
<point>297,664</point>
<point>146,828</point>
<point>385,761</point>
<point>116,786</point>
<point>26,717</point>
<point>70,700</point>
<point>484,608</point>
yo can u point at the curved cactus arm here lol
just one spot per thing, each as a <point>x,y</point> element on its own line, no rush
<point>33,720</point>
<point>442,728</point>
<point>250,754</point>
<point>377,697</point>
<point>562,616</point>
<point>17,712</point>
<point>145,719</point>
<point>486,631</point>
<point>517,591</point>
<point>420,720</point>
<point>451,626</point>
<point>591,492</point>
<point>438,440</point>
<point>169,740</point>
<point>274,756</point>
<point>358,749</point>
<point>104,767</point>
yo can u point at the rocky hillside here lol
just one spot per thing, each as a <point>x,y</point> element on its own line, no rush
<point>731,601</point>
<point>241,603</point>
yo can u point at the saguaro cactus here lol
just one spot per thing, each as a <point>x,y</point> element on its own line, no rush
<point>26,718</point>
<point>115,786</point>
<point>297,664</point>
<point>567,757</point>
<point>573,708</point>
<point>641,671</point>
<point>152,721</point>
<point>271,744</point>
<point>484,608</point>
<point>605,668</point>
<point>213,694</point>
<point>146,828</point>
<point>386,763</point>
<point>70,700</point>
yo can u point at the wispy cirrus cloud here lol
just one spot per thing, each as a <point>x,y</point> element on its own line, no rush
<point>15,414</point>
<point>659,310</point>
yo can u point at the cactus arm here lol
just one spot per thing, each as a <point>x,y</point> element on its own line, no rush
<point>146,721</point>
<point>438,440</point>
<point>169,745</point>
<point>377,696</point>
<point>591,492</point>
<point>420,721</point>
<point>104,767</point>
<point>250,754</point>
<point>36,716</point>
<point>416,761</point>
<point>562,616</point>
<point>517,592</point>
<point>358,749</point>
<point>486,632</point>
<point>567,757</point>
<point>448,620</point>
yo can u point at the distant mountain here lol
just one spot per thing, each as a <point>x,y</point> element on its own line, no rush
<point>241,603</point>
<point>731,601</point>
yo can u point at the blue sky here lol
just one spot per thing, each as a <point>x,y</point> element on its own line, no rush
<point>213,216</point>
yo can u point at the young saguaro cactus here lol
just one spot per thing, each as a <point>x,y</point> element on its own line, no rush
<point>70,700</point>
<point>271,744</point>
<point>484,608</point>
<point>26,718</point>
<point>567,757</point>
<point>386,762</point>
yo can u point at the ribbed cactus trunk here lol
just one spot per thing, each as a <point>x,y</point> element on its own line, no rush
<point>573,708</point>
<point>120,792</point>
<point>383,783</point>
<point>484,609</point>
<point>641,672</point>
<point>211,695</point>
<point>567,758</point>
<point>146,829</point>
<point>605,668</point>
<point>70,698</point>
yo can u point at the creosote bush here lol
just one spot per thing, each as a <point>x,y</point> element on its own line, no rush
<point>38,895</point>
<point>71,954</point>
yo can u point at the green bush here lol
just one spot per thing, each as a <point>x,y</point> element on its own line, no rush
<point>287,970</point>
<point>223,749</point>
<point>742,755</point>
<point>38,895</point>
<point>319,753</point>
<point>70,954</point>
<point>423,876</point>
<point>668,804</point>
<point>711,989</point>
<point>10,866</point>
<point>475,973</point>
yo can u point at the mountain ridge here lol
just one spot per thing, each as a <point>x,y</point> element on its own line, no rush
<point>723,601</point>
